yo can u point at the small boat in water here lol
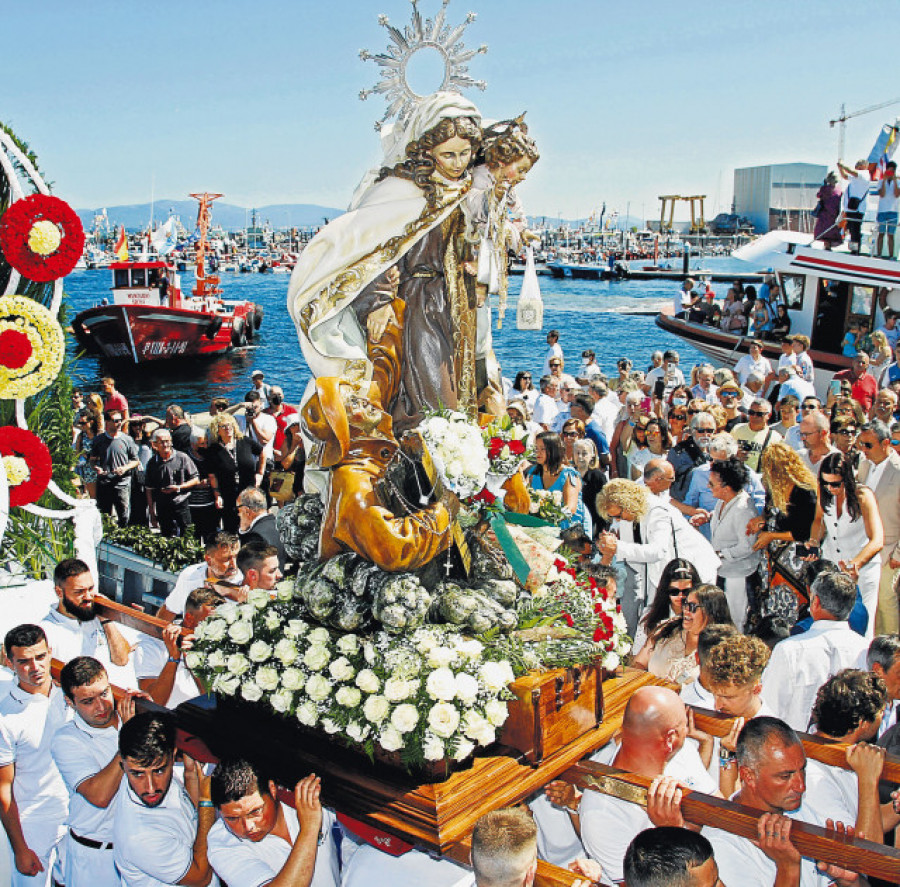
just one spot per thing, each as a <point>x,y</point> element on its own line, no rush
<point>149,317</point>
<point>823,291</point>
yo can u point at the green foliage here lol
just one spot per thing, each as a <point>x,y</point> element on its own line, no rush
<point>167,553</point>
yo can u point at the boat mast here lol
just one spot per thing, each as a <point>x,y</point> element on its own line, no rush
<point>205,285</point>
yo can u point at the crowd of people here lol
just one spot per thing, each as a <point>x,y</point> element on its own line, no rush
<point>752,534</point>
<point>170,474</point>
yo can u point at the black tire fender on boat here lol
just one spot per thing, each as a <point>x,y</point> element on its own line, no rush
<point>258,312</point>
<point>238,333</point>
<point>213,328</point>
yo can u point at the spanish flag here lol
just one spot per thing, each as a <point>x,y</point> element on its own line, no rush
<point>121,249</point>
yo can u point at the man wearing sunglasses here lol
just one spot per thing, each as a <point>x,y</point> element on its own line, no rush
<point>880,472</point>
<point>816,435</point>
<point>755,435</point>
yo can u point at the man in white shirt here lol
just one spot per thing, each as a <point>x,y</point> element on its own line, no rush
<point>605,412</point>
<point>73,627</point>
<point>802,663</point>
<point>848,709</point>
<point>668,373</point>
<point>545,408</point>
<point>259,840</point>
<point>86,751</point>
<point>654,729</point>
<point>772,764</point>
<point>218,569</point>
<point>160,829</point>
<point>816,435</point>
<point>880,472</point>
<point>257,425</point>
<point>553,352</point>
<point>754,362</point>
<point>33,797</point>
<point>589,369</point>
<point>883,660</point>
<point>159,665</point>
<point>705,389</point>
<point>567,393</point>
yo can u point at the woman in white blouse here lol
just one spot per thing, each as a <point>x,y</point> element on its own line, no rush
<point>728,534</point>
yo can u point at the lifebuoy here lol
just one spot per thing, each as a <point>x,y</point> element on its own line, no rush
<point>238,333</point>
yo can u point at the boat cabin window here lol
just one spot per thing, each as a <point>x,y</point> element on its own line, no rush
<point>153,277</point>
<point>120,278</point>
<point>792,289</point>
<point>138,277</point>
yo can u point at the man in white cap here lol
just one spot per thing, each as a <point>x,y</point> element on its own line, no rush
<point>257,377</point>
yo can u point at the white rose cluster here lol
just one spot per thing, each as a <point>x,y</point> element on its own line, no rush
<point>430,694</point>
<point>458,452</point>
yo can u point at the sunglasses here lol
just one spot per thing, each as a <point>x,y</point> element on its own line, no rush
<point>809,406</point>
<point>692,606</point>
<point>834,484</point>
<point>895,443</point>
<point>729,394</point>
<point>570,434</point>
<point>554,365</point>
<point>679,592</point>
<point>867,445</point>
<point>851,432</point>
<point>681,417</point>
<point>757,413</point>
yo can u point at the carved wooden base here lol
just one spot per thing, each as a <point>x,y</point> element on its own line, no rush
<point>433,816</point>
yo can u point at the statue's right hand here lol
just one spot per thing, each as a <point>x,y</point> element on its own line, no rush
<point>377,321</point>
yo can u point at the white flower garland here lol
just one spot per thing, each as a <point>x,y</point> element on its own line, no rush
<point>458,452</point>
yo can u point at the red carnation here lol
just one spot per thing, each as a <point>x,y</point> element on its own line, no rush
<point>15,229</point>
<point>19,442</point>
<point>485,496</point>
<point>15,349</point>
<point>516,447</point>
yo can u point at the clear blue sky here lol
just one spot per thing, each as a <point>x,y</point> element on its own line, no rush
<point>627,100</point>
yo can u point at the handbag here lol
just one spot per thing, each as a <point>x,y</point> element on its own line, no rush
<point>281,486</point>
<point>530,307</point>
<point>817,210</point>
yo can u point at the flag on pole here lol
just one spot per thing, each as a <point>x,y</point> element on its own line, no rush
<point>121,249</point>
<point>163,239</point>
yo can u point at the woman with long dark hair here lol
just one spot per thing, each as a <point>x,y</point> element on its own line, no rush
<point>551,473</point>
<point>671,651</point>
<point>678,577</point>
<point>523,390</point>
<point>849,527</point>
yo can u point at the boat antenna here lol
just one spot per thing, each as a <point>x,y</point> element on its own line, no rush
<point>206,285</point>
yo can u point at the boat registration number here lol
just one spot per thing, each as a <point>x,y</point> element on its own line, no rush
<point>164,349</point>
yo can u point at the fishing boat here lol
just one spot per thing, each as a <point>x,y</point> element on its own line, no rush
<point>824,291</point>
<point>150,318</point>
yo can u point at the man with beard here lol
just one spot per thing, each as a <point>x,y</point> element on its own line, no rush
<point>86,752</point>
<point>72,626</point>
<point>160,829</point>
<point>690,453</point>
<point>33,797</point>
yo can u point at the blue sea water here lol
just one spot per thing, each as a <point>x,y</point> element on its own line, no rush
<point>588,314</point>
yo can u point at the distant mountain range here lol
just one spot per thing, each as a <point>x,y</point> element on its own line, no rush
<point>229,216</point>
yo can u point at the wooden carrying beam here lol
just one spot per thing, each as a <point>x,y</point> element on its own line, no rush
<point>137,619</point>
<point>812,841</point>
<point>823,750</point>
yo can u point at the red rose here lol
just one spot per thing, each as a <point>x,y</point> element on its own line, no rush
<point>485,496</point>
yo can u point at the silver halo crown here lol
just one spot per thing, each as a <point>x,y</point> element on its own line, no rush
<point>430,34</point>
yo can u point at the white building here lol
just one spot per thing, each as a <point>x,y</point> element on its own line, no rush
<point>779,195</point>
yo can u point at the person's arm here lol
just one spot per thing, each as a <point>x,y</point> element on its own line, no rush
<point>160,688</point>
<point>196,784</point>
<point>300,865</point>
<point>27,861</point>
<point>151,507</point>
<point>775,841</point>
<point>571,491</point>
<point>867,762</point>
<point>101,788</point>
<point>260,469</point>
<point>119,648</point>
<point>264,434</point>
<point>642,659</point>
<point>874,532</point>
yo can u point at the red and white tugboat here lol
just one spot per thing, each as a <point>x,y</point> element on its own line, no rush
<point>149,318</point>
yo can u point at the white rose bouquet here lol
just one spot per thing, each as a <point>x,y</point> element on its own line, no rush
<point>457,450</point>
<point>429,695</point>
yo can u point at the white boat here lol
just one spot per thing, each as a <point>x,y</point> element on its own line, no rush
<point>824,291</point>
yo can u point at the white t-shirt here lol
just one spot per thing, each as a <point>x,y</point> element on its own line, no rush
<point>265,422</point>
<point>696,694</point>
<point>888,202</point>
<point>832,792</point>
<point>154,846</point>
<point>254,863</point>
<point>150,660</point>
<point>740,862</point>
<point>545,410</point>
<point>69,638</point>
<point>555,350</point>
<point>28,722</point>
<point>747,365</point>
<point>609,824</point>
<point>557,841</point>
<point>80,752</point>
<point>188,579</point>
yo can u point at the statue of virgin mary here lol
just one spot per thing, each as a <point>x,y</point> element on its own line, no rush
<point>404,238</point>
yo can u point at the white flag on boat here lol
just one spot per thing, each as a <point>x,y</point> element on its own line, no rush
<point>163,238</point>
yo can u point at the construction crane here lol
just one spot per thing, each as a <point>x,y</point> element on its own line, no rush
<point>843,117</point>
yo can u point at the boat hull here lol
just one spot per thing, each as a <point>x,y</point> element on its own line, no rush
<point>145,334</point>
<point>726,349</point>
